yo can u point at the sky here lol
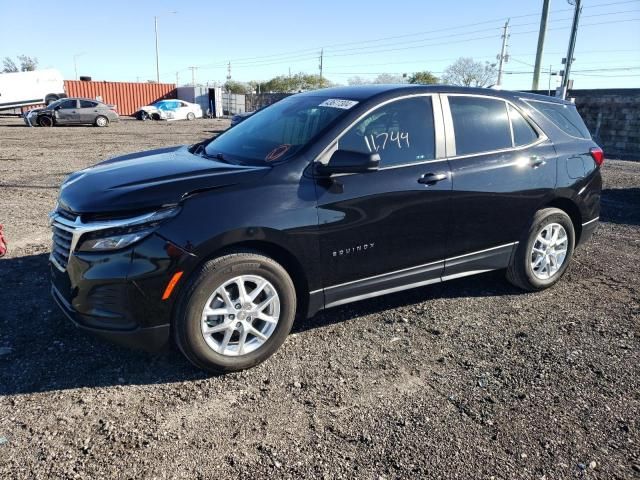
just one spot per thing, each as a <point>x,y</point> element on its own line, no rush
<point>115,40</point>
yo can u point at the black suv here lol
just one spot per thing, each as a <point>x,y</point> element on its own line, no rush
<point>324,198</point>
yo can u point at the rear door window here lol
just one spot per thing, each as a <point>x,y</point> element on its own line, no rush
<point>87,104</point>
<point>523,132</point>
<point>566,117</point>
<point>481,124</point>
<point>401,132</point>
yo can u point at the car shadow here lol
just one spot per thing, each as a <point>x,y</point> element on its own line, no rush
<point>40,349</point>
<point>620,205</point>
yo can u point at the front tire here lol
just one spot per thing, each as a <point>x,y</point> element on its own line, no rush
<point>235,313</point>
<point>46,121</point>
<point>544,253</point>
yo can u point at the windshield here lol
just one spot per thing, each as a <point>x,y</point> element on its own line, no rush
<point>166,105</point>
<point>279,131</point>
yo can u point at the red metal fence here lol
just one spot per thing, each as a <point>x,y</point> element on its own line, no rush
<point>128,96</point>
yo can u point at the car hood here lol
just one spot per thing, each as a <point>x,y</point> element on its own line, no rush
<point>147,180</point>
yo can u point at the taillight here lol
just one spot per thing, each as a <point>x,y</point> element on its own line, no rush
<point>598,155</point>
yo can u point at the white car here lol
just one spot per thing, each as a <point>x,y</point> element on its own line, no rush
<point>170,110</point>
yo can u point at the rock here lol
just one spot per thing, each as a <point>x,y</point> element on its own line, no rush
<point>3,440</point>
<point>297,384</point>
<point>523,455</point>
<point>582,466</point>
<point>593,465</point>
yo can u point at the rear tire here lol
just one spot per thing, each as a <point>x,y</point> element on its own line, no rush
<point>544,252</point>
<point>206,292</point>
<point>101,121</point>
<point>191,116</point>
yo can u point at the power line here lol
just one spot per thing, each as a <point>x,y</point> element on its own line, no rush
<point>272,59</point>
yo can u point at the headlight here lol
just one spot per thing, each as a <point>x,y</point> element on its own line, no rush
<point>114,243</point>
<point>117,234</point>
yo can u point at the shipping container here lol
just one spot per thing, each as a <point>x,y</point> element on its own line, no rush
<point>127,96</point>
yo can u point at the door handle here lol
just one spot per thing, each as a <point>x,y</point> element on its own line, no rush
<point>432,178</point>
<point>536,161</point>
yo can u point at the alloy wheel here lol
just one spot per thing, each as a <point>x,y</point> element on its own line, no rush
<point>240,315</point>
<point>549,251</point>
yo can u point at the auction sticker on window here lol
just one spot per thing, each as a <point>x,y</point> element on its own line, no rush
<point>338,103</point>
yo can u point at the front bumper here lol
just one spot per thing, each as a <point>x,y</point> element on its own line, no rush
<point>149,338</point>
<point>118,295</point>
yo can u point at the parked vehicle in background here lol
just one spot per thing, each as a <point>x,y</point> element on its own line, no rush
<point>324,198</point>
<point>170,110</point>
<point>70,111</point>
<point>21,89</point>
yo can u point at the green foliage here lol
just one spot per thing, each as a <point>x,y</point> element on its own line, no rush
<point>233,86</point>
<point>291,84</point>
<point>423,78</point>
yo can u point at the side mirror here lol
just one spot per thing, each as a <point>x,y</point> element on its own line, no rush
<point>345,161</point>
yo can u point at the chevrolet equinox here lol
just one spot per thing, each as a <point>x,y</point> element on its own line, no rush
<point>324,198</point>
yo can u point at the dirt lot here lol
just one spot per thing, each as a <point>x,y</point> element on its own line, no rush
<point>468,379</point>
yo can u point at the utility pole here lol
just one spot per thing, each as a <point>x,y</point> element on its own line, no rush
<point>155,23</point>
<point>177,79</point>
<point>504,57</point>
<point>572,46</point>
<point>541,34</point>
<point>193,75</point>
<point>75,62</point>
<point>321,58</point>
<point>229,71</point>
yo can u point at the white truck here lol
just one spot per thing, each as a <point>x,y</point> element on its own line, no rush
<point>22,89</point>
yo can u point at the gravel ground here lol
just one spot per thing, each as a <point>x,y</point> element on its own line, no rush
<point>467,379</point>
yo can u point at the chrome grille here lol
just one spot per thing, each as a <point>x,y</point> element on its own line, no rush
<point>62,225</point>
<point>61,247</point>
<point>67,215</point>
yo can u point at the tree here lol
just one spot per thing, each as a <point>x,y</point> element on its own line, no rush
<point>380,79</point>
<point>27,64</point>
<point>423,78</point>
<point>9,66</point>
<point>294,83</point>
<point>233,86</point>
<point>468,73</point>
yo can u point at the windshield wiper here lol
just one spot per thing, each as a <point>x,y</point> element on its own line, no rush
<point>216,156</point>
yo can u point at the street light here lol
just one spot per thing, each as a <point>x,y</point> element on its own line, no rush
<point>155,23</point>
<point>75,62</point>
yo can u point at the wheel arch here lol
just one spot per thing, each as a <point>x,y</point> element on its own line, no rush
<point>277,252</point>
<point>569,207</point>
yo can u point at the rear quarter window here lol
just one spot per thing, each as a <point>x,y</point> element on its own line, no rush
<point>565,117</point>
